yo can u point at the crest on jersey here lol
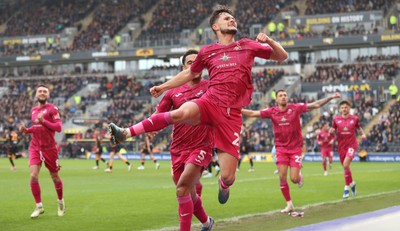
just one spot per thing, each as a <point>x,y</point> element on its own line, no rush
<point>199,93</point>
<point>237,47</point>
<point>225,58</point>
<point>352,121</point>
<point>289,111</point>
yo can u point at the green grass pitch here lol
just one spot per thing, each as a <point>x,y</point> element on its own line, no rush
<point>145,200</point>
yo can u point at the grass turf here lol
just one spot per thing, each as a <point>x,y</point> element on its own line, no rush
<point>140,200</point>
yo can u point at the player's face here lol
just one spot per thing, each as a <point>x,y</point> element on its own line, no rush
<point>42,94</point>
<point>325,128</point>
<point>344,109</point>
<point>282,98</point>
<point>189,61</point>
<point>226,24</point>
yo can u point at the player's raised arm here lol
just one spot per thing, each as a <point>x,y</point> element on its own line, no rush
<point>250,113</point>
<point>278,52</point>
<point>322,102</point>
<point>180,79</point>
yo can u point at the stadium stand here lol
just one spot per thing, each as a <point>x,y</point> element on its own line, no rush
<point>125,90</point>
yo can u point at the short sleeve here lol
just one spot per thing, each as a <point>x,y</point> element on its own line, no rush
<point>261,50</point>
<point>165,104</point>
<point>301,108</point>
<point>198,64</point>
<point>266,113</point>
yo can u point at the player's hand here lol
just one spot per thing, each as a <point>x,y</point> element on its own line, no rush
<point>363,137</point>
<point>263,38</point>
<point>331,130</point>
<point>336,95</point>
<point>40,117</point>
<point>152,134</point>
<point>23,129</point>
<point>156,91</point>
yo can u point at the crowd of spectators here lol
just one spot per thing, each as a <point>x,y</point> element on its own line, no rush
<point>376,58</point>
<point>266,78</point>
<point>345,6</point>
<point>110,17</point>
<point>253,12</point>
<point>353,72</point>
<point>385,135</point>
<point>302,31</point>
<point>329,60</point>
<point>47,17</point>
<point>171,17</point>
<point>51,17</point>
<point>8,8</point>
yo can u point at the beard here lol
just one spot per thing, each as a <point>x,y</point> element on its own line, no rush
<point>229,31</point>
<point>42,101</point>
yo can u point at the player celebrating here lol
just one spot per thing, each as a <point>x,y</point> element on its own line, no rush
<point>325,141</point>
<point>345,126</point>
<point>288,139</point>
<point>191,150</point>
<point>45,122</point>
<point>229,64</point>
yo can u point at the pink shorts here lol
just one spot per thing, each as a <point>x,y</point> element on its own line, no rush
<point>49,156</point>
<point>347,152</point>
<point>200,157</point>
<point>289,159</point>
<point>226,123</point>
<point>326,153</point>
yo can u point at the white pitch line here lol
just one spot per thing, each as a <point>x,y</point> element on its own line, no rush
<point>234,219</point>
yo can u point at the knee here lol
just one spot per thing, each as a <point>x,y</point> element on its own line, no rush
<point>228,179</point>
<point>295,179</point>
<point>34,176</point>
<point>56,179</point>
<point>178,115</point>
<point>182,190</point>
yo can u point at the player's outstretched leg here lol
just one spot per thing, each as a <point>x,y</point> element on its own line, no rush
<point>118,134</point>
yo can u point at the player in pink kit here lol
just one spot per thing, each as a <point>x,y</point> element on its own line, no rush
<point>325,141</point>
<point>288,139</point>
<point>345,126</point>
<point>191,150</point>
<point>229,64</point>
<point>45,122</point>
